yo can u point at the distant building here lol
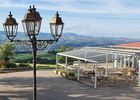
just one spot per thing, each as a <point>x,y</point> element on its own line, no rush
<point>134,46</point>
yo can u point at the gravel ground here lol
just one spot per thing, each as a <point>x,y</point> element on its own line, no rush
<point>18,86</point>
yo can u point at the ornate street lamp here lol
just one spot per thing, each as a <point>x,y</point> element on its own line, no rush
<point>10,27</point>
<point>31,25</point>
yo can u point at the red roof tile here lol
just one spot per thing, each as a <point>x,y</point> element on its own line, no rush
<point>130,45</point>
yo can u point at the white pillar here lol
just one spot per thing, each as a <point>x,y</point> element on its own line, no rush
<point>56,61</point>
<point>66,61</point>
<point>78,70</point>
<point>125,60</point>
<point>129,60</point>
<point>106,65</point>
<point>121,62</point>
<point>95,80</point>
<point>139,74</point>
<point>133,62</point>
<point>115,61</point>
<point>112,60</point>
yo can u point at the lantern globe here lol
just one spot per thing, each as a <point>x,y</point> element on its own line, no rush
<point>10,27</point>
<point>56,26</point>
<point>32,22</point>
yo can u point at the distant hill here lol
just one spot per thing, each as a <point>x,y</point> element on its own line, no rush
<point>75,40</point>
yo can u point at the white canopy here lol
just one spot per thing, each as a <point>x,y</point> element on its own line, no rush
<point>101,55</point>
<point>98,54</point>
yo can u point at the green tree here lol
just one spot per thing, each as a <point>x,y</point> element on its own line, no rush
<point>7,51</point>
<point>62,48</point>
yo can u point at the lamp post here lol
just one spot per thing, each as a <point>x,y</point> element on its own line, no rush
<point>31,25</point>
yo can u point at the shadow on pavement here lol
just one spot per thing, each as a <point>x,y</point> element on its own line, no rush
<point>58,88</point>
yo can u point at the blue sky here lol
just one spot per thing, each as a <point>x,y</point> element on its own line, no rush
<point>110,18</point>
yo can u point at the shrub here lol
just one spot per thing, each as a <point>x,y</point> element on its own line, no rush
<point>62,71</point>
<point>71,74</point>
<point>23,65</point>
<point>10,65</point>
<point>1,64</point>
<point>59,67</point>
<point>48,66</point>
<point>23,60</point>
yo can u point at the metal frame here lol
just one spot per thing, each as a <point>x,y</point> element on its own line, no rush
<point>40,44</point>
<point>101,52</point>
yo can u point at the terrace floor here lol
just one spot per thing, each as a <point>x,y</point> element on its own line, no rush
<point>18,86</point>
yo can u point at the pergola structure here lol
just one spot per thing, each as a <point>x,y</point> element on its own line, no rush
<point>97,55</point>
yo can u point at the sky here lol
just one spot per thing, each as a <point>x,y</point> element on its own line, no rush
<point>102,18</point>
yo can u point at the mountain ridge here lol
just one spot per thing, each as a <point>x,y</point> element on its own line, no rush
<point>75,40</point>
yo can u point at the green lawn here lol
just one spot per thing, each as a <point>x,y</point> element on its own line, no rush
<point>23,56</point>
<point>42,58</point>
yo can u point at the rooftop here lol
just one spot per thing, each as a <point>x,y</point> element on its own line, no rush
<point>98,54</point>
<point>135,45</point>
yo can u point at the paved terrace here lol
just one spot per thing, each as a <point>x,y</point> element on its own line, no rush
<point>18,86</point>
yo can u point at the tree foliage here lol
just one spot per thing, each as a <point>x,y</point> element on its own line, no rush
<point>62,48</point>
<point>7,51</point>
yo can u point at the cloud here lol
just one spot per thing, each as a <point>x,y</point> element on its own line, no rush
<point>83,16</point>
<point>80,6</point>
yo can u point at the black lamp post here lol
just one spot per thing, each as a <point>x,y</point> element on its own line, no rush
<point>32,24</point>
